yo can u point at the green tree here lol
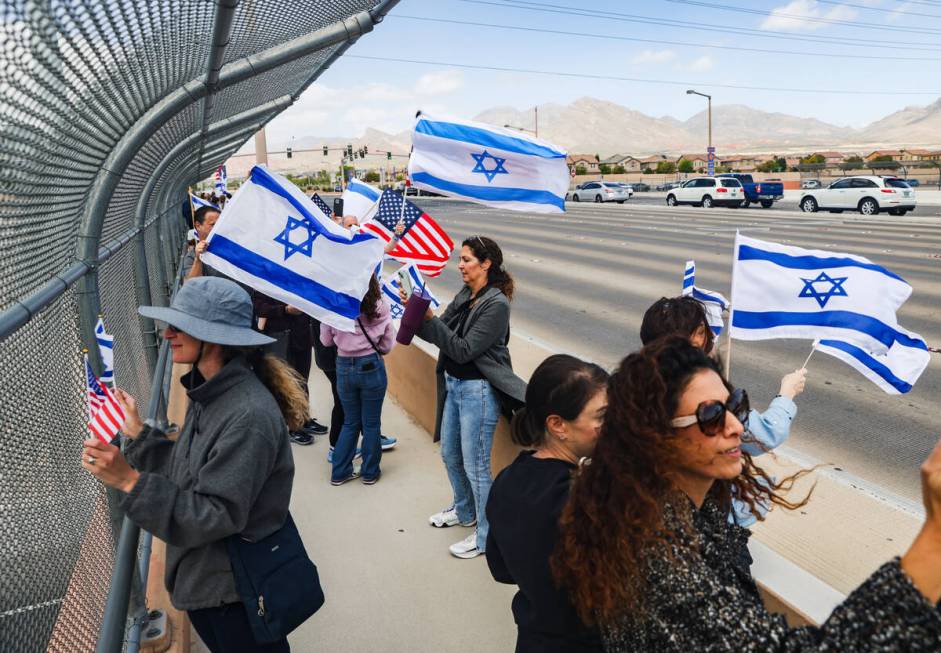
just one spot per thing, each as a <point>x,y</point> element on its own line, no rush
<point>581,170</point>
<point>767,166</point>
<point>618,170</point>
<point>605,169</point>
<point>648,171</point>
<point>884,162</point>
<point>813,159</point>
<point>666,168</point>
<point>372,176</point>
<point>685,165</point>
<point>852,163</point>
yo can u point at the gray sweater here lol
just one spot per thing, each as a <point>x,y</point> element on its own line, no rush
<point>230,471</point>
<point>484,342</point>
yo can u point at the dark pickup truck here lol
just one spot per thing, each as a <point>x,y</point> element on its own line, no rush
<point>765,193</point>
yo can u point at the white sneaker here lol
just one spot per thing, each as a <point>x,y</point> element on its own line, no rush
<point>466,548</point>
<point>448,517</point>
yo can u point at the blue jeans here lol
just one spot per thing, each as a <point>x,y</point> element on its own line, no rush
<point>361,384</point>
<point>470,416</point>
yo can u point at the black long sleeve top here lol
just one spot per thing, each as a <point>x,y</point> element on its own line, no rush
<point>525,502</point>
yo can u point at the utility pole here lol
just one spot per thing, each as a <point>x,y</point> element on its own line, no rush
<point>261,148</point>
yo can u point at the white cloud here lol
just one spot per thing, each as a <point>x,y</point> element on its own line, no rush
<point>438,83</point>
<point>701,64</point>
<point>654,57</point>
<point>788,17</point>
<point>332,111</point>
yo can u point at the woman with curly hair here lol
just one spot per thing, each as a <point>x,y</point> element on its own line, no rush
<point>686,316</point>
<point>648,554</point>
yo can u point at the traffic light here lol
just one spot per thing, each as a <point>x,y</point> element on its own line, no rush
<point>349,151</point>
<point>362,154</point>
<point>365,150</point>
<point>326,150</point>
<point>389,156</point>
<point>289,153</point>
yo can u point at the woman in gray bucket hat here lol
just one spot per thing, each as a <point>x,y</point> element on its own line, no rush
<point>231,469</point>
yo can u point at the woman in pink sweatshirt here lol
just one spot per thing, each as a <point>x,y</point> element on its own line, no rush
<point>361,384</point>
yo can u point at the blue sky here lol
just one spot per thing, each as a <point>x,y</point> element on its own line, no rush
<point>358,93</point>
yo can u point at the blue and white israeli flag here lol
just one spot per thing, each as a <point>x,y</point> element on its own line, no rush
<point>273,238</point>
<point>713,302</point>
<point>391,285</point>
<point>199,203</point>
<point>358,198</point>
<point>895,371</point>
<point>106,348</point>
<point>488,165</point>
<point>781,291</point>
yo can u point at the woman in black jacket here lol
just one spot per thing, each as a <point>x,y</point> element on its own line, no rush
<point>565,404</point>
<point>647,550</point>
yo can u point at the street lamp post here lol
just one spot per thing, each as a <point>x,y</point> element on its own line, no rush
<point>709,104</point>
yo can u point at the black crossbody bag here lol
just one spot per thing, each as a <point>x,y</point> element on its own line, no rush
<point>276,580</point>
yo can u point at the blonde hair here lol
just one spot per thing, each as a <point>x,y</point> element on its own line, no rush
<point>281,380</point>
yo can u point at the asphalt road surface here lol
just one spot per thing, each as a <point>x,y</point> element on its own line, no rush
<point>788,203</point>
<point>585,278</point>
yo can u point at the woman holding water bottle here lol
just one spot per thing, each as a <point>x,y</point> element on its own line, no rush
<point>474,379</point>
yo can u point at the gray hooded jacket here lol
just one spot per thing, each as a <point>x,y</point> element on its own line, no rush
<point>230,471</point>
<point>484,342</point>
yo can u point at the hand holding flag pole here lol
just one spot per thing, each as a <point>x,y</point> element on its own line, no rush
<point>813,348</point>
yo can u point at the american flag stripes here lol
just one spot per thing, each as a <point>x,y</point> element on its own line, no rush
<point>105,415</point>
<point>423,243</point>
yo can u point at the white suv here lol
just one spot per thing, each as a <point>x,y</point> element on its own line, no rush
<point>867,194</point>
<point>708,192</point>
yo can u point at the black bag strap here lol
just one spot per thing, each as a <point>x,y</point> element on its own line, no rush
<point>363,329</point>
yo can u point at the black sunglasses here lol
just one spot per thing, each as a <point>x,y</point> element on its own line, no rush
<point>710,415</point>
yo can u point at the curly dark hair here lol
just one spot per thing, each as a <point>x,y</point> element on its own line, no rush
<point>486,249</point>
<point>675,315</point>
<point>614,516</point>
<point>369,306</point>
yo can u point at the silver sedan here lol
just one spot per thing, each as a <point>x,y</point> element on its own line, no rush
<point>600,191</point>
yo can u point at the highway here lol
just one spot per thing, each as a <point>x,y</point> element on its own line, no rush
<point>585,278</point>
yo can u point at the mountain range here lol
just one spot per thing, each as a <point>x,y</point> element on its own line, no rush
<point>590,125</point>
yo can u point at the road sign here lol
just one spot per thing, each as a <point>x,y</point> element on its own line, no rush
<point>711,161</point>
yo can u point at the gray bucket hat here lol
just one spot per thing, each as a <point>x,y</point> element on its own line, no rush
<point>211,309</point>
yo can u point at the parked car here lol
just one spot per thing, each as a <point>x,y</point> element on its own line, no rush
<point>810,183</point>
<point>867,194</point>
<point>670,185</point>
<point>765,193</point>
<point>708,192</point>
<point>640,187</point>
<point>599,191</point>
<point>912,182</point>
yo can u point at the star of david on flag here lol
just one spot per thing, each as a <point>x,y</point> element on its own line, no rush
<point>835,290</point>
<point>106,348</point>
<point>854,299</point>
<point>391,286</point>
<point>489,173</point>
<point>294,244</point>
<point>510,170</point>
<point>275,239</point>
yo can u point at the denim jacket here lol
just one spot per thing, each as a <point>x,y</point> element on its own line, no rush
<point>769,430</point>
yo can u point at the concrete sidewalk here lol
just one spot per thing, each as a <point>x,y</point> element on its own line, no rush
<point>390,583</point>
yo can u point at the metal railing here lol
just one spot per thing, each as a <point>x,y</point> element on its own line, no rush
<point>108,112</point>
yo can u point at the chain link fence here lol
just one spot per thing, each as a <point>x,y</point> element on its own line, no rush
<point>109,109</point>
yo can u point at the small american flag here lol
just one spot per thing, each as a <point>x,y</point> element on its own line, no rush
<point>327,211</point>
<point>105,415</point>
<point>423,242</point>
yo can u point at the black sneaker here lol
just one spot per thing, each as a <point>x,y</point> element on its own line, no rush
<point>314,427</point>
<point>302,438</point>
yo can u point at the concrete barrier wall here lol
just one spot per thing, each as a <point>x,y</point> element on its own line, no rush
<point>787,589</point>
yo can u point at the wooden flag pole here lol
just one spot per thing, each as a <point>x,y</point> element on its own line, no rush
<point>189,198</point>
